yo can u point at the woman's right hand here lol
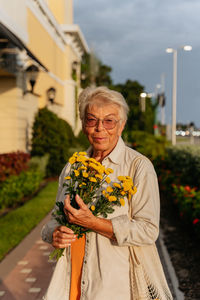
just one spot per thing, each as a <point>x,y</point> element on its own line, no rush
<point>63,237</point>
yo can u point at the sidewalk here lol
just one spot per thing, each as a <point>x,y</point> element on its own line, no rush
<point>25,272</point>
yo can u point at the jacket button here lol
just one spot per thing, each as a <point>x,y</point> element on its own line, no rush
<point>83,282</point>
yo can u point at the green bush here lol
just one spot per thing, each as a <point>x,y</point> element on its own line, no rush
<point>15,188</point>
<point>181,164</point>
<point>54,136</point>
<point>146,143</point>
<point>83,140</point>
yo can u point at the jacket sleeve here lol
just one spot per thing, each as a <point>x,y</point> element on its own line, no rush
<point>48,229</point>
<point>142,226</point>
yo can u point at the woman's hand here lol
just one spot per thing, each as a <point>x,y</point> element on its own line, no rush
<point>82,216</point>
<point>63,237</point>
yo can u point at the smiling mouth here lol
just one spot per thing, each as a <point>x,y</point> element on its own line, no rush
<point>99,138</point>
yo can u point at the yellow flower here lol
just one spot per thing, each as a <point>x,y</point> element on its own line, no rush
<point>82,153</point>
<point>85,163</point>
<point>81,158</point>
<point>121,178</point>
<point>127,186</point>
<point>108,179</point>
<point>67,177</point>
<point>76,172</point>
<point>92,179</point>
<point>83,183</point>
<point>112,198</point>
<point>122,201</point>
<point>95,167</point>
<point>109,189</point>
<point>108,171</point>
<point>93,160</point>
<point>101,169</point>
<point>98,176</point>
<point>122,193</point>
<point>117,185</point>
<point>72,160</point>
<point>105,194</point>
<point>85,174</point>
<point>133,191</point>
<point>92,207</point>
<point>75,154</point>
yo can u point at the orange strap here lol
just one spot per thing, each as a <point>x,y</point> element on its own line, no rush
<point>77,256</point>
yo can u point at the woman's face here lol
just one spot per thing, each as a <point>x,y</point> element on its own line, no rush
<point>102,139</point>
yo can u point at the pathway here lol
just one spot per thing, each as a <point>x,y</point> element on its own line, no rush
<point>25,272</point>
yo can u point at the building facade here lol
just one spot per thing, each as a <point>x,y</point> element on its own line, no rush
<point>40,57</point>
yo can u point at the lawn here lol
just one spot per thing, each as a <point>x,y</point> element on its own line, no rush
<point>18,223</point>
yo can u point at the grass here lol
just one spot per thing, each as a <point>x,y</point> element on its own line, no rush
<point>18,223</point>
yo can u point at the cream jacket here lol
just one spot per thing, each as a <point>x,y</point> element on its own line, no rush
<point>106,265</point>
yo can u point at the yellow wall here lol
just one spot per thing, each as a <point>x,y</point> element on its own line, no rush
<point>45,48</point>
<point>16,116</point>
<point>52,57</point>
<point>62,10</point>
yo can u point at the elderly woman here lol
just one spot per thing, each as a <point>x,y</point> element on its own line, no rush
<point>100,266</point>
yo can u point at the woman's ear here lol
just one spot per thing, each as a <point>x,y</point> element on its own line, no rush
<point>122,127</point>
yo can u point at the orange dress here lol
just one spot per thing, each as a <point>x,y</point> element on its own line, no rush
<point>77,256</point>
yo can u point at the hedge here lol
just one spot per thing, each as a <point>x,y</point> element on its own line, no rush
<point>15,188</point>
<point>54,136</point>
<point>13,164</point>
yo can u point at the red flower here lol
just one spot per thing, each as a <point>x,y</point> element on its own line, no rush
<point>187,188</point>
<point>195,221</point>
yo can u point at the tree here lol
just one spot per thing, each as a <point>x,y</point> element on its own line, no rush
<point>94,72</point>
<point>137,120</point>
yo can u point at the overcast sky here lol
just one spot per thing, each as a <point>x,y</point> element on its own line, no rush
<point>131,36</point>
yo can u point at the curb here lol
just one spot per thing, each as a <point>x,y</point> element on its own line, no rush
<point>169,269</point>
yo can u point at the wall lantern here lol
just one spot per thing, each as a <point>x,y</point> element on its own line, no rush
<point>51,94</point>
<point>32,73</point>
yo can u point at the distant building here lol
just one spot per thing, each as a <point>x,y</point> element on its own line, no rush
<point>40,56</point>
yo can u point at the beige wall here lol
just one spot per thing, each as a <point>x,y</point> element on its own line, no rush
<point>16,116</point>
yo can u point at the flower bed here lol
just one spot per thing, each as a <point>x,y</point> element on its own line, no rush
<point>13,164</point>
<point>179,181</point>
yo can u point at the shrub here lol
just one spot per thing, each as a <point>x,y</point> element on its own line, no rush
<point>188,201</point>
<point>54,136</point>
<point>146,143</point>
<point>13,164</point>
<point>182,164</point>
<point>15,188</point>
<point>83,141</point>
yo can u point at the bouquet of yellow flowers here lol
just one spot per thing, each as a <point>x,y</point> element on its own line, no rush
<point>87,178</point>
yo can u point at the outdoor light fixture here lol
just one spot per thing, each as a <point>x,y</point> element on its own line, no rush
<point>143,101</point>
<point>51,94</point>
<point>31,75</point>
<point>174,93</point>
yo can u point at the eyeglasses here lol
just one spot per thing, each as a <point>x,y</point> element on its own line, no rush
<point>108,122</point>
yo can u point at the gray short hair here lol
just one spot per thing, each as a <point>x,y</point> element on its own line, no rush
<point>89,95</point>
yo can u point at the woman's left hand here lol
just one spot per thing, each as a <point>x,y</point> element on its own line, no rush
<point>82,216</point>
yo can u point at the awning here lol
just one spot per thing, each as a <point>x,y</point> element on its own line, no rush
<point>5,33</point>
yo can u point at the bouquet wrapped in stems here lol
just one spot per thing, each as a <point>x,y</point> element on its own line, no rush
<point>87,178</point>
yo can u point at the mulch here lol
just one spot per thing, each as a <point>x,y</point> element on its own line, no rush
<point>184,249</point>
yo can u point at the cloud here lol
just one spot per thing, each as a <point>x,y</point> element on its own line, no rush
<point>131,36</point>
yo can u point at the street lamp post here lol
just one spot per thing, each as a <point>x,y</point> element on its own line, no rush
<point>174,90</point>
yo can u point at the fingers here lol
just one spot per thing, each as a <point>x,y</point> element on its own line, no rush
<point>69,208</point>
<point>80,202</point>
<point>63,237</point>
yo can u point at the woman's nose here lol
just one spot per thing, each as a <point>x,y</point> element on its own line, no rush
<point>99,125</point>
